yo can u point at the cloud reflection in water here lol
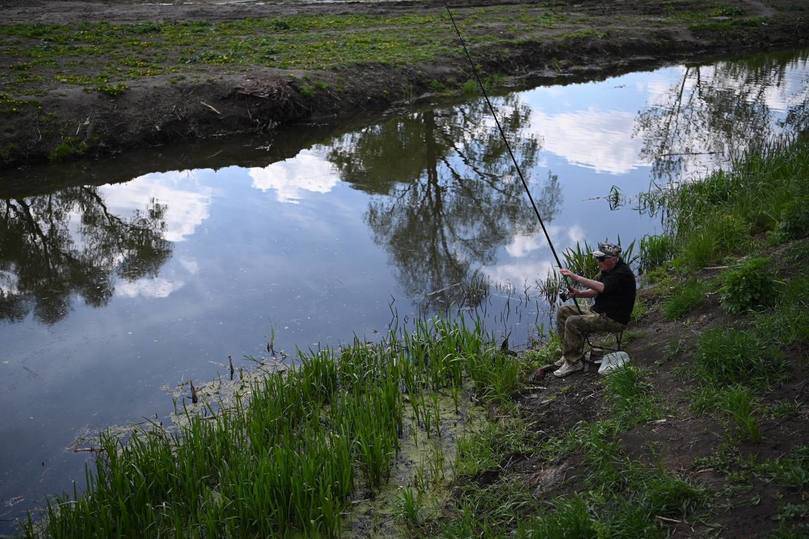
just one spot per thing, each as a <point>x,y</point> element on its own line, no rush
<point>307,171</point>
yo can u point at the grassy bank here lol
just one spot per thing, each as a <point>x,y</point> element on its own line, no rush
<point>102,56</point>
<point>287,460</point>
<point>705,434</point>
<point>75,85</point>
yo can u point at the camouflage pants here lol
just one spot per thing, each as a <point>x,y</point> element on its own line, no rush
<point>574,328</point>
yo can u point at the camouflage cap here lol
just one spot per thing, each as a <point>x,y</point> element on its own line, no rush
<point>607,249</point>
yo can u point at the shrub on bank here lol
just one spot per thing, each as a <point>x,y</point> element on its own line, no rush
<point>750,286</point>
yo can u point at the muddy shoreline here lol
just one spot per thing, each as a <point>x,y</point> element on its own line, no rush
<point>71,123</point>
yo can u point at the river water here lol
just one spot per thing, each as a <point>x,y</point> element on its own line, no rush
<point>121,279</point>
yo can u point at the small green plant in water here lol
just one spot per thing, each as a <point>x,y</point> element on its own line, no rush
<point>69,147</point>
<point>409,506</point>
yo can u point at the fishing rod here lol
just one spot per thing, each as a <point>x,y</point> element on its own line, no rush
<point>510,153</point>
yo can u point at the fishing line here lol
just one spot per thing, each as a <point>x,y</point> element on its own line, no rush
<point>508,147</point>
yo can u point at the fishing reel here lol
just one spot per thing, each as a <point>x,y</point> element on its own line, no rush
<point>563,296</point>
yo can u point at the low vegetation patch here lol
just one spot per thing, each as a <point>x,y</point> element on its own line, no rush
<point>750,286</point>
<point>286,457</point>
<point>685,299</point>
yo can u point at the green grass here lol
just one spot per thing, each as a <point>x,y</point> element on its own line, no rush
<point>623,498</point>
<point>713,218</point>
<point>285,462</point>
<point>685,299</point>
<point>655,251</point>
<point>111,53</point>
<point>583,34</point>
<point>732,356</point>
<point>112,90</point>
<point>630,398</point>
<point>740,405</point>
<point>749,286</point>
<point>728,24</point>
<point>790,471</point>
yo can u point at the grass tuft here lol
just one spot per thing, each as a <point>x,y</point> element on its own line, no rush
<point>748,287</point>
<point>732,356</point>
<point>685,299</point>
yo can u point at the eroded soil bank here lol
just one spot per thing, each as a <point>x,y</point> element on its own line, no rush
<point>83,79</point>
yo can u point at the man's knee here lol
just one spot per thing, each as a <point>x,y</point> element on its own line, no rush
<point>564,313</point>
<point>574,324</point>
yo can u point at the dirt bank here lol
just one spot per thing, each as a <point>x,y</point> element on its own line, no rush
<point>84,79</point>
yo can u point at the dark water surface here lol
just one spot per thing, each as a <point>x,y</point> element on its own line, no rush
<point>117,282</point>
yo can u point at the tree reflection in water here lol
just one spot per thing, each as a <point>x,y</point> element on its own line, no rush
<point>66,243</point>
<point>449,193</point>
<point>719,112</point>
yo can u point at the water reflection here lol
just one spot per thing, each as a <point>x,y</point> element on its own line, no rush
<point>716,112</point>
<point>307,171</point>
<point>70,242</point>
<point>448,193</point>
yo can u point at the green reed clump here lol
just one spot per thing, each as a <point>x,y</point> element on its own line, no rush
<point>717,216</point>
<point>655,251</point>
<point>285,462</point>
<point>580,260</point>
<point>708,243</point>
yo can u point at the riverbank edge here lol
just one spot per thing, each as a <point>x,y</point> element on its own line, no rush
<point>70,123</point>
<point>704,433</point>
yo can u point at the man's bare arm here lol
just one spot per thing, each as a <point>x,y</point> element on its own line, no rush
<point>595,286</point>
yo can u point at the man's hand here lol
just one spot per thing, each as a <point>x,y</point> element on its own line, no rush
<point>569,274</point>
<point>595,287</point>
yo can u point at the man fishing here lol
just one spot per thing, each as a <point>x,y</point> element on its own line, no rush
<point>613,288</point>
<point>614,293</point>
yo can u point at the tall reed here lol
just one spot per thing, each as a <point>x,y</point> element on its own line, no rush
<point>286,461</point>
